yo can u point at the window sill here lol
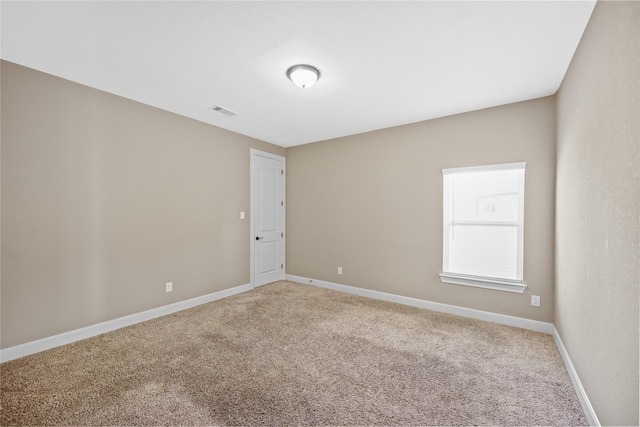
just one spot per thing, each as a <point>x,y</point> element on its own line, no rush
<point>478,282</point>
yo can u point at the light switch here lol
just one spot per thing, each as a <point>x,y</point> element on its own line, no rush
<point>241,215</point>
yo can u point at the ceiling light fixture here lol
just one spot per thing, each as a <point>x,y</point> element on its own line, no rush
<point>303,76</point>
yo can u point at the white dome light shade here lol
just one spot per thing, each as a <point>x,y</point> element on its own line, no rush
<point>303,76</point>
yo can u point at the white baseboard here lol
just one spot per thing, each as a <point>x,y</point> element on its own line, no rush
<point>32,347</point>
<point>592,418</point>
<point>519,322</point>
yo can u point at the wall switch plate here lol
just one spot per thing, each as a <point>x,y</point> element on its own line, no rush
<point>241,215</point>
<point>168,286</point>
<point>339,270</point>
<point>535,300</point>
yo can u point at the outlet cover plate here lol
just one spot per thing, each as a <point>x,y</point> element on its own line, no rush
<point>535,300</point>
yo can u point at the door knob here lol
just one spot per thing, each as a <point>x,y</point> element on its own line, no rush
<point>258,238</point>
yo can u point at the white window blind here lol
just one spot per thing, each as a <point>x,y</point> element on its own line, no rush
<point>483,226</point>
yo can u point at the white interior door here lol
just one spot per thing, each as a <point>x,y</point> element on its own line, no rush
<point>267,217</point>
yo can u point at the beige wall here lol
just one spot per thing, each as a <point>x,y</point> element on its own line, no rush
<point>372,204</point>
<point>598,207</point>
<point>105,199</point>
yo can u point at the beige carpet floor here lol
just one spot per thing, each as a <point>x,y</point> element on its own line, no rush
<point>291,354</point>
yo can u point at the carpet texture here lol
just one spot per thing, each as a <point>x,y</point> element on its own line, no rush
<point>291,354</point>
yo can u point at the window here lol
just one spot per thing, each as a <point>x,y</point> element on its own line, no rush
<point>484,226</point>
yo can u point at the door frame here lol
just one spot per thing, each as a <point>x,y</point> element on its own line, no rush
<point>252,211</point>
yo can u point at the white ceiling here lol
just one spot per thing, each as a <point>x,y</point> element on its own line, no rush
<point>383,63</point>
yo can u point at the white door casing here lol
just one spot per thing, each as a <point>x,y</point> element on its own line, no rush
<point>267,218</point>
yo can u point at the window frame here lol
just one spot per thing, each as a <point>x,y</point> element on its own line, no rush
<point>495,283</point>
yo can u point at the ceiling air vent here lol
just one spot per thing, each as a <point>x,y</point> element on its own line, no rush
<point>222,110</point>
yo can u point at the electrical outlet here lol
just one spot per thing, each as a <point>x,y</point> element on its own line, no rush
<point>535,300</point>
<point>168,286</point>
<point>339,270</point>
